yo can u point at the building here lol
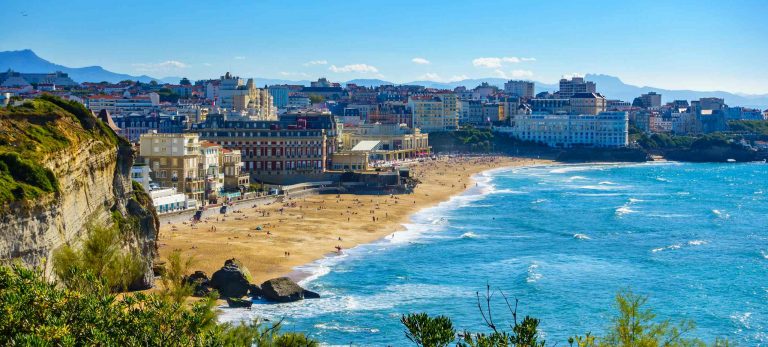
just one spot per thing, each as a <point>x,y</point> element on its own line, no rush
<point>493,113</point>
<point>235,178</point>
<point>299,102</point>
<point>648,100</point>
<point>471,112</point>
<point>296,148</point>
<point>115,105</point>
<point>575,85</point>
<point>435,112</point>
<point>174,161</point>
<point>279,96</point>
<point>396,141</point>
<point>133,125</point>
<point>587,103</point>
<point>243,97</point>
<point>520,89</point>
<point>550,105</point>
<point>607,129</point>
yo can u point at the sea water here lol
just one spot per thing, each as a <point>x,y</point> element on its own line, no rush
<point>562,240</point>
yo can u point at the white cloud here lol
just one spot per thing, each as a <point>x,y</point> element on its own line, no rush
<point>294,74</point>
<point>316,62</point>
<point>420,61</point>
<point>239,57</point>
<point>513,73</point>
<point>497,62</point>
<point>430,76</point>
<point>167,65</point>
<point>359,68</point>
<point>572,75</point>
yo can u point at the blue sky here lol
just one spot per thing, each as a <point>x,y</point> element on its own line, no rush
<point>701,45</point>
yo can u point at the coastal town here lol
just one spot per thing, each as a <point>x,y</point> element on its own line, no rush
<point>213,141</point>
<point>405,173</point>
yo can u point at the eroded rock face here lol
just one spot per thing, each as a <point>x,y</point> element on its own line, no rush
<point>283,289</point>
<point>92,186</point>
<point>231,281</point>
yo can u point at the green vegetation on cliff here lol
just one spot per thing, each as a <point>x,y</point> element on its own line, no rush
<point>756,127</point>
<point>37,131</point>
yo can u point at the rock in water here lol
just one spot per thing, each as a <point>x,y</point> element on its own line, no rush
<point>239,303</point>
<point>231,280</point>
<point>308,294</point>
<point>283,289</point>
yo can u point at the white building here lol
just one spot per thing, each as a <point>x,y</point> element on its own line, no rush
<point>607,129</point>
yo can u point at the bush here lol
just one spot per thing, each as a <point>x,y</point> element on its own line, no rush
<point>102,255</point>
<point>39,313</point>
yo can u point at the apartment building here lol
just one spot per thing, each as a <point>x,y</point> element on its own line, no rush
<point>587,103</point>
<point>575,85</point>
<point>435,112</point>
<point>175,162</point>
<point>520,89</point>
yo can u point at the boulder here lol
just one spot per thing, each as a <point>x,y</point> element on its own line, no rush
<point>308,294</point>
<point>231,280</point>
<point>254,291</point>
<point>283,289</point>
<point>239,303</point>
<point>200,283</point>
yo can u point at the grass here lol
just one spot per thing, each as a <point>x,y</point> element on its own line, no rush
<point>37,131</point>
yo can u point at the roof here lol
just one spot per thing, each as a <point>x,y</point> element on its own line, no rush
<point>364,146</point>
<point>587,96</point>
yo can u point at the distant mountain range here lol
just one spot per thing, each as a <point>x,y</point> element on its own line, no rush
<point>610,86</point>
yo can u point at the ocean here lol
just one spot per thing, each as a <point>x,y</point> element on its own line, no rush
<point>563,240</point>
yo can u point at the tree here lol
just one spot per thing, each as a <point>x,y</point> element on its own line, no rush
<point>426,331</point>
<point>185,82</point>
<point>316,99</point>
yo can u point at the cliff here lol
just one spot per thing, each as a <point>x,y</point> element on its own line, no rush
<point>60,169</point>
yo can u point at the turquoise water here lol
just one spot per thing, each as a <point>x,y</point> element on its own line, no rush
<point>563,240</point>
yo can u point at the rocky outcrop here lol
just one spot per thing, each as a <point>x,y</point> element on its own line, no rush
<point>201,285</point>
<point>91,166</point>
<point>231,280</point>
<point>283,289</point>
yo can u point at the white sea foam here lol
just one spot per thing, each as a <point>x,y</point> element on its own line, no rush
<point>668,248</point>
<point>468,235</point>
<point>697,242</point>
<point>533,274</point>
<point>581,237</point>
<point>764,254</point>
<point>624,210</point>
<point>538,201</point>
<point>607,183</point>
<point>662,179</point>
<point>720,214</point>
<point>573,178</point>
<point>691,243</point>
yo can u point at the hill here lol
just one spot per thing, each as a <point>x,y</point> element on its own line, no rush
<point>27,61</point>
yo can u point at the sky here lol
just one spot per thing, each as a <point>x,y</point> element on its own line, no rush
<point>685,44</point>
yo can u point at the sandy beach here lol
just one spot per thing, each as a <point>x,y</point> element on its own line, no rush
<point>272,240</point>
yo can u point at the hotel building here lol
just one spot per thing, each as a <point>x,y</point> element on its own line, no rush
<point>606,129</point>
<point>435,112</point>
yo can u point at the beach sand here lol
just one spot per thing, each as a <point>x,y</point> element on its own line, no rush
<point>302,230</point>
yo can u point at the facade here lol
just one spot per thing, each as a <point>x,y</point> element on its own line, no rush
<point>575,85</point>
<point>396,141</point>
<point>607,129</point>
<point>648,100</point>
<point>235,178</point>
<point>296,148</point>
<point>279,96</point>
<point>471,112</point>
<point>174,161</point>
<point>550,105</point>
<point>245,98</point>
<point>132,126</point>
<point>435,112</point>
<point>587,103</point>
<point>141,104</point>
<point>520,89</point>
<point>493,113</point>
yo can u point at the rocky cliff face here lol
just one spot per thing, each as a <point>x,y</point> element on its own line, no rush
<point>92,170</point>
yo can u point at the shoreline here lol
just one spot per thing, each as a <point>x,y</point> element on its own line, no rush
<point>322,221</point>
